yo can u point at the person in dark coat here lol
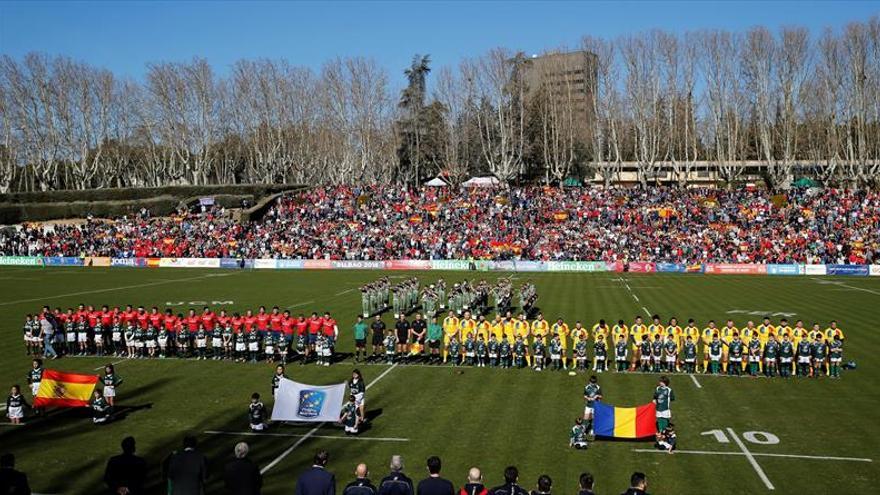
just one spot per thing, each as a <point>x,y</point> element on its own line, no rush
<point>12,482</point>
<point>586,484</point>
<point>474,485</point>
<point>361,485</point>
<point>638,483</point>
<point>510,486</point>
<point>187,470</point>
<point>316,480</point>
<point>126,471</point>
<point>396,483</point>
<point>241,475</point>
<point>434,484</point>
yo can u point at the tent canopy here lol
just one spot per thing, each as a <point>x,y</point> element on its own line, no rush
<point>572,182</point>
<point>805,182</point>
<point>436,182</point>
<point>482,182</point>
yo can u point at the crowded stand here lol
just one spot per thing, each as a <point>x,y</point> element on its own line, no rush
<point>656,224</point>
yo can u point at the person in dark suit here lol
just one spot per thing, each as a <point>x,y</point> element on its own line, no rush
<point>316,480</point>
<point>434,484</point>
<point>126,473</point>
<point>361,485</point>
<point>187,470</point>
<point>241,475</point>
<point>638,483</point>
<point>510,486</point>
<point>396,483</point>
<point>12,482</point>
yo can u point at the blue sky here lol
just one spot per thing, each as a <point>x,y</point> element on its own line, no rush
<point>125,36</point>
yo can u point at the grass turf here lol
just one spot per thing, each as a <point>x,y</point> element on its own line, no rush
<point>484,417</point>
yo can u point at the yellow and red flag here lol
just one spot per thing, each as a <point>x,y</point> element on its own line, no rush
<point>62,389</point>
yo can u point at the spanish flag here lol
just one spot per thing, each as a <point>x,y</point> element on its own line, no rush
<point>624,422</point>
<point>60,389</point>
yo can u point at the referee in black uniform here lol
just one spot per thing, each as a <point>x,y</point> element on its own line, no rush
<point>378,327</point>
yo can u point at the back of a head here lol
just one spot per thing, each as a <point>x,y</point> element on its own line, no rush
<point>7,460</point>
<point>637,480</point>
<point>396,463</point>
<point>586,481</point>
<point>241,450</point>
<point>474,475</point>
<point>544,483</point>
<point>361,471</point>
<point>128,445</point>
<point>321,457</point>
<point>511,474</point>
<point>434,465</point>
<point>190,442</point>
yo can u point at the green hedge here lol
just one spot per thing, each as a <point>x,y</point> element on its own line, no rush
<point>29,212</point>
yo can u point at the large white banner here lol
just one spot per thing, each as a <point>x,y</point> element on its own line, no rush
<point>300,402</point>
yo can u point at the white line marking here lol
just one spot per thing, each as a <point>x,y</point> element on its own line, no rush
<point>316,428</point>
<point>789,456</point>
<point>646,311</point>
<point>751,459</point>
<point>346,291</point>
<point>694,378</point>
<point>110,289</point>
<point>636,298</point>
<point>306,303</point>
<point>329,437</point>
<point>114,363</point>
<point>847,286</point>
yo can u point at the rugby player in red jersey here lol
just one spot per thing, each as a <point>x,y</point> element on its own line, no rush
<point>262,323</point>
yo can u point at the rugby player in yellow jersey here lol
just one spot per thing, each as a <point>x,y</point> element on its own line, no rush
<point>833,330</point>
<point>727,334</point>
<point>708,333</point>
<point>636,331</point>
<point>450,329</point>
<point>600,330</point>
<point>509,328</point>
<point>579,332</point>
<point>745,334</point>
<point>498,328</point>
<point>655,328</point>
<point>620,330</point>
<point>484,329</point>
<point>765,329</point>
<point>467,326</point>
<point>782,330</point>
<point>673,329</point>
<point>560,328</point>
<point>540,328</point>
<point>799,333</point>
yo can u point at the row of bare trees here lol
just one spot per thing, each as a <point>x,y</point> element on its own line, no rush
<point>790,101</point>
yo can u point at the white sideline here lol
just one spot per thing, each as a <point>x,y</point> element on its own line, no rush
<point>315,429</point>
<point>751,459</point>
<point>111,289</point>
<point>328,437</point>
<point>790,456</point>
<point>114,363</point>
<point>695,381</point>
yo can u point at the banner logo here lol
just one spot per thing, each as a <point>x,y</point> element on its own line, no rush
<point>310,403</point>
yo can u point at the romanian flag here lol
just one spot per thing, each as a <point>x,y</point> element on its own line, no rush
<point>61,389</point>
<point>624,422</point>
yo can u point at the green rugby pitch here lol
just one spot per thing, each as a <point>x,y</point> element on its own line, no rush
<point>736,435</point>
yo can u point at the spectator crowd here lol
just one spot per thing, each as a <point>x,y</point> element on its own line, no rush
<point>530,223</point>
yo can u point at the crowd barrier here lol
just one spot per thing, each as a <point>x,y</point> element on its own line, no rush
<point>455,265</point>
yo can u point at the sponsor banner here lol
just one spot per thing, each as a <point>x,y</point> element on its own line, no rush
<point>317,264</point>
<point>62,261</point>
<point>672,268</point>
<point>358,265</point>
<point>300,402</point>
<point>21,260</point>
<point>153,262</point>
<point>695,268</point>
<point>874,270</point>
<point>848,270</point>
<point>735,268</point>
<point>449,265</point>
<point>249,263</point>
<point>408,265</point>
<point>576,266</point>
<point>265,263</point>
<point>130,262</point>
<point>530,266</point>
<point>641,267</point>
<point>775,269</point>
<point>189,262</point>
<point>230,263</point>
<point>96,261</point>
<point>289,264</point>
<point>508,266</point>
<point>614,266</point>
<point>815,270</point>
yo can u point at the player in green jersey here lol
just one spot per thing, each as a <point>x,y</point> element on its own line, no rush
<point>663,397</point>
